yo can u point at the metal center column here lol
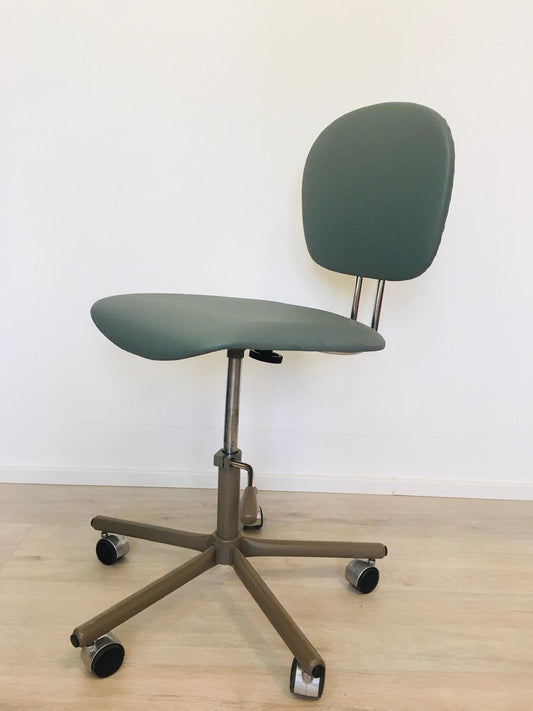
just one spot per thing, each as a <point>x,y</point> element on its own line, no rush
<point>229,477</point>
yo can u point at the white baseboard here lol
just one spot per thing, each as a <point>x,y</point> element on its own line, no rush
<point>464,489</point>
<point>108,477</point>
<point>400,486</point>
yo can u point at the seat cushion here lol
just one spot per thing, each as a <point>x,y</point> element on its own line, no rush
<point>176,326</point>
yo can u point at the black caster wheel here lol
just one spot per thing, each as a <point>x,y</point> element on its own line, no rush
<point>309,685</point>
<point>258,523</point>
<point>111,548</point>
<point>104,657</point>
<point>362,575</point>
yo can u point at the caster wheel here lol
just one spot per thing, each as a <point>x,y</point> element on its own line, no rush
<point>104,657</point>
<point>111,548</point>
<point>362,575</point>
<point>258,523</point>
<point>308,685</point>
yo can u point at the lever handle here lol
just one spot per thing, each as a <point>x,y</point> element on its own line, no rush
<point>249,506</point>
<point>266,356</point>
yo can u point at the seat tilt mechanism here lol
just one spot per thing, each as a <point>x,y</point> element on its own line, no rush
<point>266,356</point>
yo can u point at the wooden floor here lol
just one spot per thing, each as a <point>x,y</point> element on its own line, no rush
<point>450,626</point>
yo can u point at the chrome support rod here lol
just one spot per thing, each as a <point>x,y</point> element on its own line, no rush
<point>356,298</point>
<point>377,304</point>
<point>231,423</point>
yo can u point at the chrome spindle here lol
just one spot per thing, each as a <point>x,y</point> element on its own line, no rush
<point>356,297</point>
<point>377,304</point>
<point>231,423</point>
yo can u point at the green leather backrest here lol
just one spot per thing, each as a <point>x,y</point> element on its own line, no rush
<point>376,189</point>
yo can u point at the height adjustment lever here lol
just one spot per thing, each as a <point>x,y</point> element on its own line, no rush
<point>266,356</point>
<point>248,508</point>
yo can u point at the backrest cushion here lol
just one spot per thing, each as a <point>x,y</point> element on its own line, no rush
<point>376,189</point>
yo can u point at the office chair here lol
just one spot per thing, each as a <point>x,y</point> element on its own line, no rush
<point>376,189</point>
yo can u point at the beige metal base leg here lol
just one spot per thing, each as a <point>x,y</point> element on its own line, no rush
<point>308,657</point>
<point>86,634</point>
<point>312,549</point>
<point>148,532</point>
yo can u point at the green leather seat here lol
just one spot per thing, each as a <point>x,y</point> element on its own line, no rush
<point>175,326</point>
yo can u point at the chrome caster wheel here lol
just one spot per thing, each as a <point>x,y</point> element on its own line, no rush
<point>363,575</point>
<point>111,548</point>
<point>309,685</point>
<point>258,522</point>
<point>104,657</point>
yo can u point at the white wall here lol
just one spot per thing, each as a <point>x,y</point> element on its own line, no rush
<point>158,146</point>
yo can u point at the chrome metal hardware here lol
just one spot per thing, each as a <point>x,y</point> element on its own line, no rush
<point>362,575</point>
<point>356,297</point>
<point>304,684</point>
<point>104,656</point>
<point>231,422</point>
<point>111,547</point>
<point>377,304</point>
